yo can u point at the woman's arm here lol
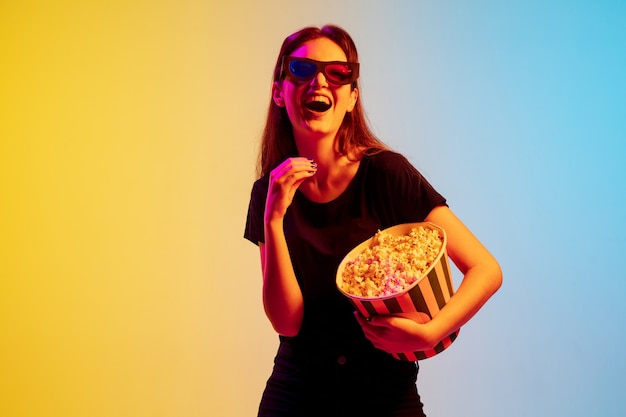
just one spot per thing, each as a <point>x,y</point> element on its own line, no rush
<point>282,298</point>
<point>482,277</point>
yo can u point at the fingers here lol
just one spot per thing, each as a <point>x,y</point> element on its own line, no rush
<point>284,181</point>
<point>372,326</point>
<point>374,321</point>
<point>371,330</point>
<point>293,170</point>
<point>384,332</point>
<point>289,175</point>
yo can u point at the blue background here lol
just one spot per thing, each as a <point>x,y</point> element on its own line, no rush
<point>516,112</point>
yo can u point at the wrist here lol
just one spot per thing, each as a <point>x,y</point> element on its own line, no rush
<point>436,331</point>
<point>273,228</point>
<point>273,222</point>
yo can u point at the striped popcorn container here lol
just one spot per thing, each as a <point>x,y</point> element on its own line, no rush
<point>421,301</point>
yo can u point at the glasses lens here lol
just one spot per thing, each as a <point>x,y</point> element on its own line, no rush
<point>302,69</point>
<point>338,73</point>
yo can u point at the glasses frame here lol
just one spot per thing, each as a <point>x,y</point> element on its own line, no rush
<point>319,67</point>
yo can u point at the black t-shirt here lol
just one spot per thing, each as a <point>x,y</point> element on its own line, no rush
<point>386,190</point>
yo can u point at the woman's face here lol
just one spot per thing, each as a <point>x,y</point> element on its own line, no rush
<point>316,107</point>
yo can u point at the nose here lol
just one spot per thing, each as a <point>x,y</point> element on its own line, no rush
<point>319,80</point>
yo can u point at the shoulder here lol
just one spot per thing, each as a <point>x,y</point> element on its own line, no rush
<point>384,157</point>
<point>389,162</point>
<point>259,188</point>
<point>262,182</point>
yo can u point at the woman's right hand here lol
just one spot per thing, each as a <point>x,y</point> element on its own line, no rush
<point>284,181</point>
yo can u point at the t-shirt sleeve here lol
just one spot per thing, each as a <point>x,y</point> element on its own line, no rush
<point>254,230</point>
<point>404,191</point>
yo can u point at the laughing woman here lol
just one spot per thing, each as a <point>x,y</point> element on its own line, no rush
<point>325,184</point>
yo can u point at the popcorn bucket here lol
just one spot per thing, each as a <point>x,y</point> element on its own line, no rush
<point>421,301</point>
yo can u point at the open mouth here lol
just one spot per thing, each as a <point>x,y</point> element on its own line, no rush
<point>318,104</point>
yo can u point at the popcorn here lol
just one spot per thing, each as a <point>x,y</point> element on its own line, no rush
<point>392,263</point>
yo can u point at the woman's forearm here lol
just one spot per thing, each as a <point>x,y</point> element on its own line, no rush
<point>478,285</point>
<point>482,275</point>
<point>282,298</point>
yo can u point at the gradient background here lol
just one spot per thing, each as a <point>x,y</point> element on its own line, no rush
<point>128,137</point>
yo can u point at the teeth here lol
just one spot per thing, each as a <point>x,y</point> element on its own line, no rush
<point>318,99</point>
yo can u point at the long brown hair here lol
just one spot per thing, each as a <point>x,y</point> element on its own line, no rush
<point>354,135</point>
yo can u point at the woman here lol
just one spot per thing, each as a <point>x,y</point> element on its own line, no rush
<point>327,183</point>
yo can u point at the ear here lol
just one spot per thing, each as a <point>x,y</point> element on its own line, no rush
<point>277,94</point>
<point>354,96</point>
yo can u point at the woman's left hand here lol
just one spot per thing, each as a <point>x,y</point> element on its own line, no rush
<point>395,334</point>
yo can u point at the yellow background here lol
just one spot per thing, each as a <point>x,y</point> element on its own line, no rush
<point>127,157</point>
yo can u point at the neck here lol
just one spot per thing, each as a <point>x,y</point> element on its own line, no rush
<point>334,170</point>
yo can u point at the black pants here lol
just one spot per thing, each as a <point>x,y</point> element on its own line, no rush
<point>305,383</point>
